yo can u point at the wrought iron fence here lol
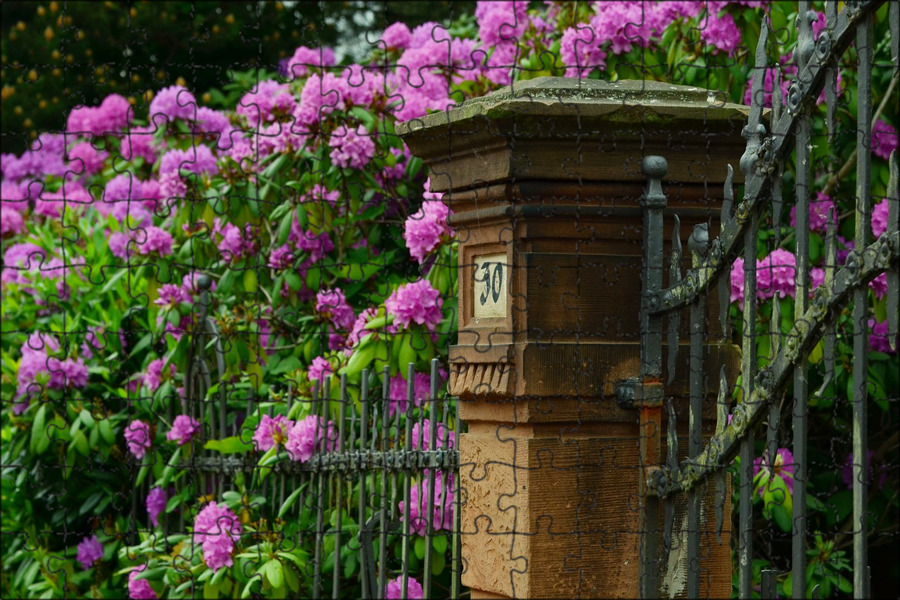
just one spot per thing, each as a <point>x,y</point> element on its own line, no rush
<point>672,477</point>
<point>376,497</point>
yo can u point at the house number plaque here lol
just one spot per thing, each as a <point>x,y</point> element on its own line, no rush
<point>491,276</point>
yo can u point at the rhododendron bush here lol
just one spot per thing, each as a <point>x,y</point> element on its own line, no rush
<point>326,253</point>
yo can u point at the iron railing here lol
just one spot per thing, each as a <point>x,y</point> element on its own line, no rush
<point>368,445</point>
<point>668,479</point>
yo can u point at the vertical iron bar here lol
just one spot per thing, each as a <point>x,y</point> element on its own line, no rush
<point>456,550</point>
<point>893,277</point>
<point>339,490</point>
<point>769,581</point>
<point>864,48</point>
<point>695,439</point>
<point>805,48</point>
<point>385,429</point>
<point>432,446</point>
<point>653,201</point>
<point>724,284</point>
<point>364,468</point>
<point>407,475</point>
<point>748,369</point>
<point>318,478</point>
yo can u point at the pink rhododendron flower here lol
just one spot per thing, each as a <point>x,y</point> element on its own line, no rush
<point>418,501</point>
<point>86,160</point>
<point>358,332</point>
<point>156,504</point>
<point>879,286</point>
<point>847,472</point>
<point>175,102</point>
<point>427,228</point>
<point>784,468</point>
<point>879,338</point>
<point>90,550</point>
<point>154,375</point>
<point>308,435</point>
<point>217,528</point>
<point>880,218</point>
<point>352,148</point>
<point>319,370</point>
<point>396,36</point>
<point>818,213</point>
<point>113,115</point>
<point>501,22</point>
<point>268,101</point>
<point>137,434</point>
<point>332,305</point>
<point>775,275</point>
<point>139,589</point>
<point>394,589</point>
<point>281,258</point>
<point>423,431</point>
<point>398,391</point>
<point>304,58</point>
<point>580,51</point>
<point>884,139</point>
<point>416,303</point>
<point>271,432</point>
<point>171,295</point>
<point>184,428</point>
<point>139,143</point>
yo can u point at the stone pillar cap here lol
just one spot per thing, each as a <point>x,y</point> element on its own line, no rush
<point>569,96</point>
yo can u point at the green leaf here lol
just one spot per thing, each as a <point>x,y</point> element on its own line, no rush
<point>39,438</point>
<point>439,543</point>
<point>360,358</point>
<point>420,548</point>
<point>210,592</point>
<point>142,474</point>
<point>289,502</point>
<point>245,593</point>
<point>274,573</point>
<point>169,471</point>
<point>250,281</point>
<point>229,445</point>
<point>438,563</point>
<point>782,517</point>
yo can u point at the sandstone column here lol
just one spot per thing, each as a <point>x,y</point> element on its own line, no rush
<point>544,180</point>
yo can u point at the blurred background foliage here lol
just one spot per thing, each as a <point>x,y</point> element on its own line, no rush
<point>58,55</point>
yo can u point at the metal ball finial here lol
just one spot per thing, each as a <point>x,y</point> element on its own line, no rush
<point>204,282</point>
<point>654,167</point>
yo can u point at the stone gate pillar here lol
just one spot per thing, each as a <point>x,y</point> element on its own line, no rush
<point>544,180</point>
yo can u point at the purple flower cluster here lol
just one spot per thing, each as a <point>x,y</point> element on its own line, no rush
<point>319,369</point>
<point>847,472</point>
<point>332,306</point>
<point>308,435</point>
<point>305,58</point>
<point>139,589</point>
<point>89,158</point>
<point>271,432</point>
<point>156,504</point>
<point>427,228</point>
<point>394,589</point>
<point>217,528</point>
<point>39,367</point>
<point>137,434</point>
<point>352,148</point>
<point>184,428</point>
<point>90,550</point>
<point>173,102</point>
<point>113,115</point>
<point>397,392</point>
<point>884,139</point>
<point>423,431</point>
<point>783,468</point>
<point>880,218</point>
<point>268,101</point>
<point>417,303</point>
<point>442,516</point>
<point>880,337</point>
<point>155,374</point>
<point>147,240</point>
<point>235,244</point>
<point>775,276</point>
<point>818,213</point>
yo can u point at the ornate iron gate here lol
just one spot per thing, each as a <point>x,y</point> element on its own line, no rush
<point>675,479</point>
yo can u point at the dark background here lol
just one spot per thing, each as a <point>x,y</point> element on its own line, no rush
<point>57,55</point>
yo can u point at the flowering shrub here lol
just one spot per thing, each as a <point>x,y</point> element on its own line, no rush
<point>328,254</point>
